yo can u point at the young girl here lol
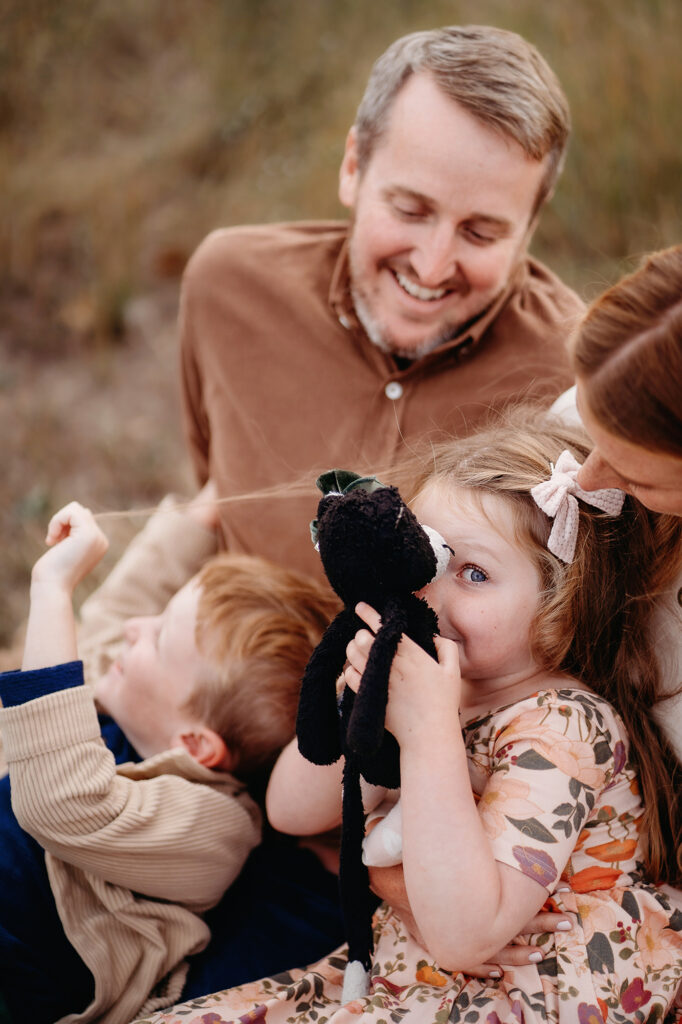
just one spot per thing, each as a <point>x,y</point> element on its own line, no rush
<point>531,767</point>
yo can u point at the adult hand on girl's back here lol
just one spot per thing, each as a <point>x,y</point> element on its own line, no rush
<point>389,885</point>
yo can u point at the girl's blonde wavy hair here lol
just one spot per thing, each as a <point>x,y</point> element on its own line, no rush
<point>594,615</point>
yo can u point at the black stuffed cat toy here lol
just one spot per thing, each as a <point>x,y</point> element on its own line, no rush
<point>373,549</point>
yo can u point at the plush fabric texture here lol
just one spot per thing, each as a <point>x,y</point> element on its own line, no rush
<point>373,549</point>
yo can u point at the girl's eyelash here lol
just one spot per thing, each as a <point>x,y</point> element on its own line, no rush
<point>476,568</point>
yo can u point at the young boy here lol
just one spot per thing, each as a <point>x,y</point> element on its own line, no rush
<point>104,898</point>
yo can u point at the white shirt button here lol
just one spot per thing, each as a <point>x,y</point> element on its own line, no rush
<point>393,390</point>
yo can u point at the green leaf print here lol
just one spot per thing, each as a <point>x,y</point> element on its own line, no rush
<point>600,954</point>
<point>532,760</point>
<point>534,829</point>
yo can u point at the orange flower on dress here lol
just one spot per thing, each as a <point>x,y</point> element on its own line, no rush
<point>593,878</point>
<point>614,851</point>
<point>429,976</point>
<point>504,796</point>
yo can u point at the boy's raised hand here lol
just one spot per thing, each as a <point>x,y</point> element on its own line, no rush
<point>76,546</point>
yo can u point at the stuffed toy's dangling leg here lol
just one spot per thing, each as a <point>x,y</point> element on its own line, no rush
<point>356,896</point>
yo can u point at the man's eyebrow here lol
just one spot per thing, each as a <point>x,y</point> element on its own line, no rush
<point>391,191</point>
<point>401,191</point>
<point>489,218</point>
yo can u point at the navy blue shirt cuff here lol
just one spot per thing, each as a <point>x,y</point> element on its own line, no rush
<point>19,687</point>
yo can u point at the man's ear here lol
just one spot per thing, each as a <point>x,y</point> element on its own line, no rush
<point>349,172</point>
<point>208,748</point>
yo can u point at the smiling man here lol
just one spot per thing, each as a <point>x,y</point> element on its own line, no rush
<point>317,344</point>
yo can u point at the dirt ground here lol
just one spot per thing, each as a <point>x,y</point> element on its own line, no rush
<point>98,425</point>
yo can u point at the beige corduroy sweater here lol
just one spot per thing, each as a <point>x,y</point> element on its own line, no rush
<point>134,854</point>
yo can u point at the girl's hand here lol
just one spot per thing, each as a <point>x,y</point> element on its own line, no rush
<point>77,544</point>
<point>417,682</point>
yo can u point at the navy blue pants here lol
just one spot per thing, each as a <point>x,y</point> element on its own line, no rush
<point>281,912</point>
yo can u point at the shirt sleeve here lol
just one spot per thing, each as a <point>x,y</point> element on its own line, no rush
<point>20,687</point>
<point>170,549</point>
<point>167,828</point>
<point>549,764</point>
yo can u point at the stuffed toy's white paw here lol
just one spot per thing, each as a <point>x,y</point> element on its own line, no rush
<point>383,847</point>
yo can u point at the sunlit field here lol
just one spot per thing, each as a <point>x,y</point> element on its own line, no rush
<point>130,128</point>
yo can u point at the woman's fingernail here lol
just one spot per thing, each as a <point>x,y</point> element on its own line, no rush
<point>535,958</point>
<point>494,974</point>
<point>564,926</point>
<point>564,888</point>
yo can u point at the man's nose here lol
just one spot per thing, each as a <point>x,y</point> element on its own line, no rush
<point>434,259</point>
<point>595,474</point>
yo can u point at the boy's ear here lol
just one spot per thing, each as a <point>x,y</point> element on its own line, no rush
<point>208,748</point>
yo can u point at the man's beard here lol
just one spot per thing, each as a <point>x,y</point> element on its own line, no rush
<point>377,335</point>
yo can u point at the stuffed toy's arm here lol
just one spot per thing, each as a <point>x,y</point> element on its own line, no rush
<point>317,723</point>
<point>366,724</point>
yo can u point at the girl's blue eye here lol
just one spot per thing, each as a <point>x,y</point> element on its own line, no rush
<point>473,574</point>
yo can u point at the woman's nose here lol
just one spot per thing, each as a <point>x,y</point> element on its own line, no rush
<point>595,474</point>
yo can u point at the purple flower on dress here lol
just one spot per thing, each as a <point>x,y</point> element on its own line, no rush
<point>589,1014</point>
<point>635,995</point>
<point>254,1016</point>
<point>492,1018</point>
<point>618,757</point>
<point>537,864</point>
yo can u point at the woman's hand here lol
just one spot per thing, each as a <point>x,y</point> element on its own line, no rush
<point>389,885</point>
<point>76,546</point>
<point>417,681</point>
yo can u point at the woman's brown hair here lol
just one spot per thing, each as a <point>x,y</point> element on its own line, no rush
<point>627,355</point>
<point>594,617</point>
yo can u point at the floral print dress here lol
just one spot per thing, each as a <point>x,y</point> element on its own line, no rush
<point>560,803</point>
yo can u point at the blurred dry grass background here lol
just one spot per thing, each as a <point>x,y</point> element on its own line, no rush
<point>129,128</point>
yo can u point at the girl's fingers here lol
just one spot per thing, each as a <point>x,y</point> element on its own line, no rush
<point>352,678</point>
<point>448,655</point>
<point>369,615</point>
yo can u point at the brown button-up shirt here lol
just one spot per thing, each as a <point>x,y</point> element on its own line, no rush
<point>280,381</point>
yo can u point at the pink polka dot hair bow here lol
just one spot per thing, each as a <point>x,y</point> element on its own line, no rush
<point>557,497</point>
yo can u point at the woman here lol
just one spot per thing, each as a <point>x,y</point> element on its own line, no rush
<point>627,357</point>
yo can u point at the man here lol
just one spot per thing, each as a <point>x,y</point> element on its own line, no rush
<point>319,344</point>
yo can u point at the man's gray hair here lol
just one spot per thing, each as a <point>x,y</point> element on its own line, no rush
<point>496,75</point>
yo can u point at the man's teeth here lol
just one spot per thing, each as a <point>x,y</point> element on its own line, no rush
<point>417,292</point>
